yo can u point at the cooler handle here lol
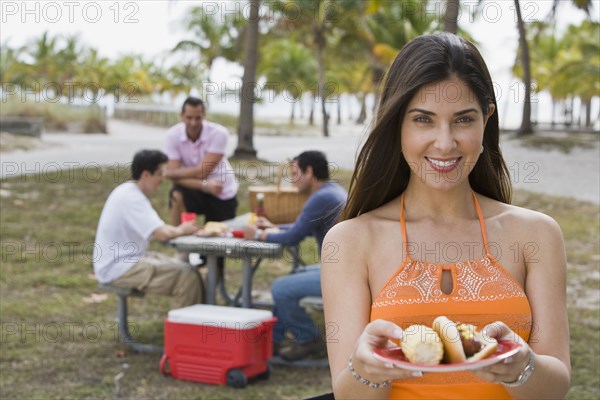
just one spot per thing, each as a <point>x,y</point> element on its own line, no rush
<point>163,364</point>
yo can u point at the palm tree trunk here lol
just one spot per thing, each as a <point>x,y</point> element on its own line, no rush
<point>321,66</point>
<point>349,103</point>
<point>311,114</point>
<point>206,101</point>
<point>362,115</point>
<point>293,112</point>
<point>451,18</point>
<point>245,147</point>
<point>526,127</point>
<point>588,113</point>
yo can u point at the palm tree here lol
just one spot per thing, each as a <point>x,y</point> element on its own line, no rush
<point>12,69</point>
<point>315,21</point>
<point>526,127</point>
<point>377,36</point>
<point>288,66</point>
<point>180,78</point>
<point>451,17</point>
<point>120,74</point>
<point>581,63</point>
<point>245,147</point>
<point>94,71</point>
<point>211,38</point>
<point>43,52</point>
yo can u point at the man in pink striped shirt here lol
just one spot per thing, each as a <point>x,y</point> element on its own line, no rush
<point>203,180</point>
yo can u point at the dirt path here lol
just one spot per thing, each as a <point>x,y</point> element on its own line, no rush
<point>551,172</point>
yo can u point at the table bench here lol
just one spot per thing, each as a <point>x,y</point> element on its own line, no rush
<point>122,295</point>
<point>314,302</point>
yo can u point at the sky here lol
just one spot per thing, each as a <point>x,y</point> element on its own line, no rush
<point>153,27</point>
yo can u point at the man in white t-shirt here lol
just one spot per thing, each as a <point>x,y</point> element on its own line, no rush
<point>127,223</point>
<point>203,180</point>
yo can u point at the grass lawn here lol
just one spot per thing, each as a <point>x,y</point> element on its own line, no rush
<point>57,341</point>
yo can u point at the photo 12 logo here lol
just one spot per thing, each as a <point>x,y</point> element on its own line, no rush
<point>55,12</point>
<point>69,92</point>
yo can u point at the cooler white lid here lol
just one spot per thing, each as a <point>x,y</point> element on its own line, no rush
<point>219,316</point>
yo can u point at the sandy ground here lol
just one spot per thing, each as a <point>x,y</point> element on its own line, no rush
<point>551,172</point>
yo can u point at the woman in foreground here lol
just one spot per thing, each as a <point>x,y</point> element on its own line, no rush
<point>428,230</point>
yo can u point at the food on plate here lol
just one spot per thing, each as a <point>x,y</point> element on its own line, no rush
<point>252,219</point>
<point>214,228</point>
<point>422,345</point>
<point>462,342</point>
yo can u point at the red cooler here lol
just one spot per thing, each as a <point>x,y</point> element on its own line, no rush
<point>214,344</point>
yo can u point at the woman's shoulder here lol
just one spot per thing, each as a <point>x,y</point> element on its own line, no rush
<point>516,218</point>
<point>369,223</point>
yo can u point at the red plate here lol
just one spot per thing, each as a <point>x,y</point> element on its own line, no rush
<point>395,356</point>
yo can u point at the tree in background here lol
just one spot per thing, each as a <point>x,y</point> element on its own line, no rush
<point>566,66</point>
<point>289,68</point>
<point>378,33</point>
<point>344,45</point>
<point>245,146</point>
<point>93,70</point>
<point>182,77</point>
<point>213,36</point>
<point>315,19</point>
<point>12,69</point>
<point>526,126</point>
<point>451,16</point>
<point>42,65</point>
<point>580,64</point>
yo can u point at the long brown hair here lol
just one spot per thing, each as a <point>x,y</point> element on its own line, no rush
<point>381,172</point>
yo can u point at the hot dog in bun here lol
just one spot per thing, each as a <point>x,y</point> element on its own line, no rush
<point>462,342</point>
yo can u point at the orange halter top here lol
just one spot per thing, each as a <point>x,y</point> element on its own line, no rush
<point>482,292</point>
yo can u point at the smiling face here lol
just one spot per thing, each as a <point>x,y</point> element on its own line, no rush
<point>192,117</point>
<point>442,134</point>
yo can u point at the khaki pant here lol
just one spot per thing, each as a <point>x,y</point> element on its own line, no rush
<point>159,274</point>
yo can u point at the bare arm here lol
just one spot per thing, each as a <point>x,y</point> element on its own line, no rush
<point>200,171</point>
<point>167,232</point>
<point>545,286</point>
<point>196,174</point>
<point>345,286</point>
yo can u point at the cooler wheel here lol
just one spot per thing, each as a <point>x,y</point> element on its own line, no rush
<point>236,379</point>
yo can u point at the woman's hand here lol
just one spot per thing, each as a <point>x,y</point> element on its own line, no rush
<point>509,369</point>
<point>377,334</point>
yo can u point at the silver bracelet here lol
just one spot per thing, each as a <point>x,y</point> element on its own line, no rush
<point>364,381</point>
<point>523,376</point>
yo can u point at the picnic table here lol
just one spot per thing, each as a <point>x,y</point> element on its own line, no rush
<point>250,252</point>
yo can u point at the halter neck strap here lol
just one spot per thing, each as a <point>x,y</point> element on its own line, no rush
<point>479,215</point>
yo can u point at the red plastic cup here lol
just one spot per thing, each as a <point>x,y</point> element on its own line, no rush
<point>237,233</point>
<point>188,216</point>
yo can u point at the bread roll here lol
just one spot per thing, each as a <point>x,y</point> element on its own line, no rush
<point>422,345</point>
<point>215,228</point>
